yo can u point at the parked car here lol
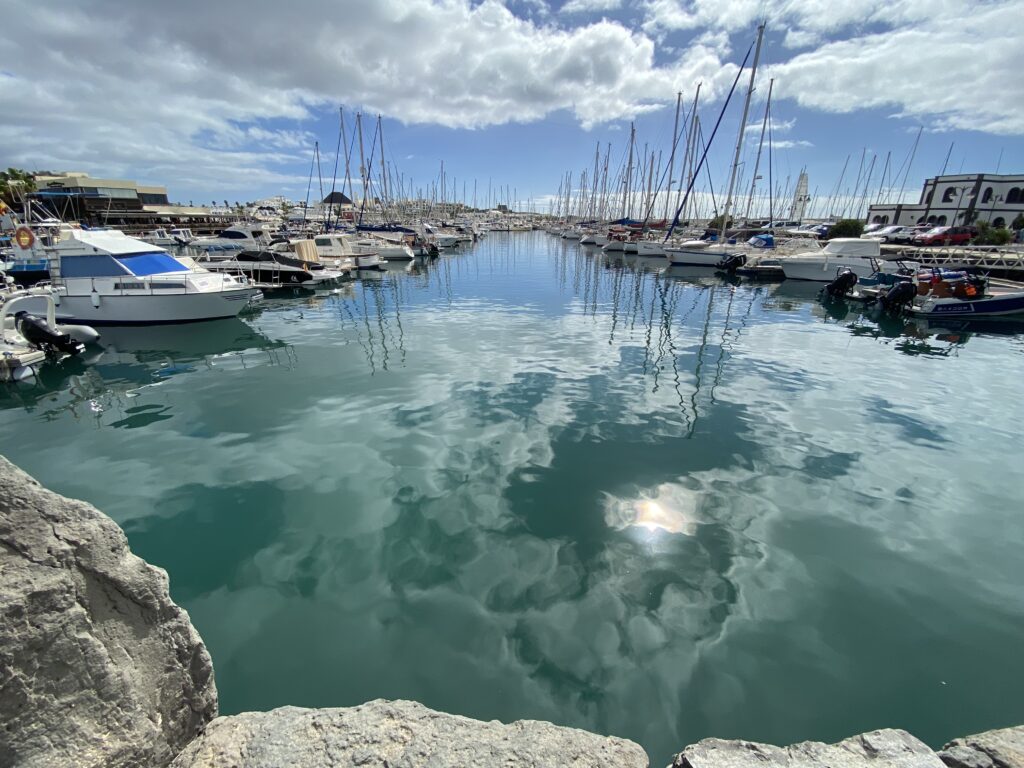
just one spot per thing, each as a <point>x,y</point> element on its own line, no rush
<point>883,235</point>
<point>873,228</point>
<point>945,236</point>
<point>907,235</point>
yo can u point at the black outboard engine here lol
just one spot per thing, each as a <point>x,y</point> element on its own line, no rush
<point>842,285</point>
<point>898,296</point>
<point>732,262</point>
<point>39,334</point>
<point>432,250</point>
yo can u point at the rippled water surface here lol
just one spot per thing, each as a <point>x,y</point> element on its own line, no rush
<point>531,481</point>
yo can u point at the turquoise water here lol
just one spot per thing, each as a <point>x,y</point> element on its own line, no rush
<point>530,481</point>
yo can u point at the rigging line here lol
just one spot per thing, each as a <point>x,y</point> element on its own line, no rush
<point>703,157</point>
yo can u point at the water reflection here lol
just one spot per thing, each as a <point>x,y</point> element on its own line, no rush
<point>534,480</point>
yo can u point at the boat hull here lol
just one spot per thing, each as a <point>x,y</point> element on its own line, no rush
<point>684,257</point>
<point>151,309</point>
<point>987,307</point>
<point>825,270</point>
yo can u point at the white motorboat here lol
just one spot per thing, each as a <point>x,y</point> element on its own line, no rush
<point>107,278</point>
<point>862,257</point>
<point>160,237</point>
<point>339,246</point>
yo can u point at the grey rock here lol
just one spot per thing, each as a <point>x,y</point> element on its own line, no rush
<point>397,734</point>
<point>97,666</point>
<point>877,749</point>
<point>1003,748</point>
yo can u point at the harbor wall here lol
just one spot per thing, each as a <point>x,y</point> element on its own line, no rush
<point>99,668</point>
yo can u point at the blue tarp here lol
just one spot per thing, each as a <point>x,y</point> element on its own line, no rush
<point>628,222</point>
<point>142,264</point>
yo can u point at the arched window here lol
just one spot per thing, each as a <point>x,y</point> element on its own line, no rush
<point>999,222</point>
<point>987,196</point>
<point>941,221</point>
<point>928,198</point>
<point>885,219</point>
<point>1013,196</point>
<point>947,196</point>
<point>920,220</point>
<point>931,220</point>
<point>876,220</point>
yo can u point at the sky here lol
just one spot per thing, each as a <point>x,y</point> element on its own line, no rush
<point>226,100</point>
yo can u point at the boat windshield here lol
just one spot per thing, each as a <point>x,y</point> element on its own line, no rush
<point>142,264</point>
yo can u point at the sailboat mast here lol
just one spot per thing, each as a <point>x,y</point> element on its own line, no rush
<point>383,168</point>
<point>629,170</point>
<point>691,152</point>
<point>672,155</point>
<point>362,161</point>
<point>743,125</point>
<point>760,146</point>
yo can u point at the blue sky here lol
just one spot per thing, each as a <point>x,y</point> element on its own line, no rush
<point>517,92</point>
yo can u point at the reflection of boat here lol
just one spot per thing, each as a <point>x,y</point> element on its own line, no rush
<point>692,272</point>
<point>218,337</point>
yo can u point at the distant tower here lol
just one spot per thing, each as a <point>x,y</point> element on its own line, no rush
<point>798,209</point>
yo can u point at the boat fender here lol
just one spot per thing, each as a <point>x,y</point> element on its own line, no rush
<point>84,333</point>
<point>842,285</point>
<point>95,299</point>
<point>39,334</point>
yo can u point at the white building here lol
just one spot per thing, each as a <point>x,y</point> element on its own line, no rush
<point>959,199</point>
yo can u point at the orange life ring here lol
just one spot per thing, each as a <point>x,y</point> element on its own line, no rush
<point>24,237</point>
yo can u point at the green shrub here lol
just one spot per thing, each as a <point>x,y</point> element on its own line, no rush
<point>846,228</point>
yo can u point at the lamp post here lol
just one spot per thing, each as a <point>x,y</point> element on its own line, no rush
<point>959,200</point>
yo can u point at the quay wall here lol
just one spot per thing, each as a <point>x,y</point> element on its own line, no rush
<point>100,669</point>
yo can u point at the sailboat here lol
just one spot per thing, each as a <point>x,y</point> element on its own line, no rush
<point>702,253</point>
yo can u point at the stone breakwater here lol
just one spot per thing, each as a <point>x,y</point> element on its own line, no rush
<point>99,668</point>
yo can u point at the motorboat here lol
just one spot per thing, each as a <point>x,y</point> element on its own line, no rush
<point>862,257</point>
<point>104,277</point>
<point>647,248</point>
<point>340,246</point>
<point>270,269</point>
<point>957,294</point>
<point>27,339</point>
<point>238,237</point>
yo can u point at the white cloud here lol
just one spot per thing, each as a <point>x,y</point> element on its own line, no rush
<point>952,62</point>
<point>591,6</point>
<point>177,92</point>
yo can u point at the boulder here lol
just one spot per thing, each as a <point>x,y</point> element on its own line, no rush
<point>97,666</point>
<point>397,734</point>
<point>877,749</point>
<point>1003,748</point>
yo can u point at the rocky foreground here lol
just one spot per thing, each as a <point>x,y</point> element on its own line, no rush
<point>99,668</point>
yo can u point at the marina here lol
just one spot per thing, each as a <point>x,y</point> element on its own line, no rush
<point>589,487</point>
<point>519,383</point>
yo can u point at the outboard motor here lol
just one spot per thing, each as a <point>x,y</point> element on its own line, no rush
<point>732,262</point>
<point>898,296</point>
<point>433,251</point>
<point>39,334</point>
<point>842,285</point>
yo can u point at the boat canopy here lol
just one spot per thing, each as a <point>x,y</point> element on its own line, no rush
<point>105,265</point>
<point>853,246</point>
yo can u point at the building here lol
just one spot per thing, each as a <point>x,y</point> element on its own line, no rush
<point>72,196</point>
<point>957,200</point>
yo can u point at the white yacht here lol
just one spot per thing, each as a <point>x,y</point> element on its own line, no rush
<point>104,277</point>
<point>862,257</point>
<point>593,238</point>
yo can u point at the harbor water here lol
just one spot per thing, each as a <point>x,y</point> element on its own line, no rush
<point>529,480</point>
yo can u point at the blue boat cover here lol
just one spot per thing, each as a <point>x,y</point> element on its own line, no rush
<point>156,263</point>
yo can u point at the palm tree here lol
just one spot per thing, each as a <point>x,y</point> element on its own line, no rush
<point>15,184</point>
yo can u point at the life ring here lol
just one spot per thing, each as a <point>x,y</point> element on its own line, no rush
<point>24,237</point>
